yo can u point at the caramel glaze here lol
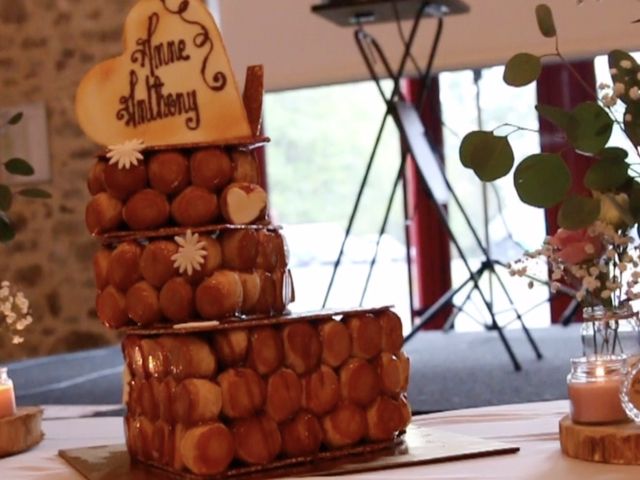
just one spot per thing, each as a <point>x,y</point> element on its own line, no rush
<point>264,393</point>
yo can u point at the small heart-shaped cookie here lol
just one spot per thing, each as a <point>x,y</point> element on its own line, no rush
<point>243,203</point>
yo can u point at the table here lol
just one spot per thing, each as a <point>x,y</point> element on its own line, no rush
<point>532,426</point>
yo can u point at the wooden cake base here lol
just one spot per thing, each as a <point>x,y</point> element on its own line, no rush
<point>21,431</point>
<point>618,443</point>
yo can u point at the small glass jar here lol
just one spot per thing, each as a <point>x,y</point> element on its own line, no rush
<point>610,331</point>
<point>7,395</point>
<point>594,386</point>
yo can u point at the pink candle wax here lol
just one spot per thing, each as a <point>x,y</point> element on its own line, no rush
<point>594,386</point>
<point>597,401</point>
<point>7,401</point>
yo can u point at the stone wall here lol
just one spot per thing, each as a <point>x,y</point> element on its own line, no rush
<point>46,46</point>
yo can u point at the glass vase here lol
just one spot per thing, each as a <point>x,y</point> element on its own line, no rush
<point>610,331</point>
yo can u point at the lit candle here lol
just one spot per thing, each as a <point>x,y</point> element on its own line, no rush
<point>7,395</point>
<point>594,389</point>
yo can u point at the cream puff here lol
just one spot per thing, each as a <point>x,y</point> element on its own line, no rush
<point>156,265</point>
<point>405,369</point>
<point>359,382</point>
<point>231,346</point>
<point>165,398</point>
<point>156,357</point>
<point>243,392</point>
<point>257,440</point>
<point>243,203</point>
<point>211,168</point>
<point>385,418</point>
<point>111,306</point>
<point>188,356</point>
<point>344,426</point>
<point>100,267</point>
<point>162,444</point>
<point>336,343</point>
<point>251,287</point>
<point>302,347</point>
<point>272,252</point>
<point>212,260</point>
<point>391,324</point>
<point>146,210</point>
<point>207,449</point>
<point>267,298</point>
<point>177,300</point>
<point>103,214</point>
<point>197,400</point>
<point>239,249</point>
<point>245,167</point>
<point>265,350</point>
<point>169,172</point>
<point>391,374</point>
<point>284,395</point>
<point>194,207</point>
<point>95,182</point>
<point>366,335</point>
<point>320,391</point>
<point>121,183</point>
<point>302,435</point>
<point>143,304</point>
<point>220,295</point>
<point>124,266</point>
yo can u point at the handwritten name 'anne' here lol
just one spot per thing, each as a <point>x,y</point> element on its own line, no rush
<point>154,104</point>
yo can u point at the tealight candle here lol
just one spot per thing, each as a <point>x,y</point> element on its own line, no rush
<point>7,395</point>
<point>594,389</point>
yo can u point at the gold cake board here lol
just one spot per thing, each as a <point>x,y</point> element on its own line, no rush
<point>419,446</point>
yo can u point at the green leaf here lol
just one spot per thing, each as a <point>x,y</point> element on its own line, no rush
<point>488,155</point>
<point>522,69</point>
<point>544,17</point>
<point>6,230</point>
<point>589,128</point>
<point>18,166</point>
<point>626,76</point>
<point>6,197</point>
<point>15,118</point>
<point>578,212</point>
<point>607,174</point>
<point>613,153</point>
<point>34,193</point>
<point>559,117</point>
<point>542,180</point>
<point>632,122</point>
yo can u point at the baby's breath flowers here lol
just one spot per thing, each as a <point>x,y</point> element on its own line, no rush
<point>599,263</point>
<point>15,314</point>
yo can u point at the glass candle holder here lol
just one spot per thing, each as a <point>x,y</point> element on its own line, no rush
<point>7,395</point>
<point>594,386</point>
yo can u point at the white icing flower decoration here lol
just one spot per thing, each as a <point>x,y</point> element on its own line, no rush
<point>191,253</point>
<point>126,154</point>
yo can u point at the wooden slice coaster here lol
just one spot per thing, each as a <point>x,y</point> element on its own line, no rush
<point>21,431</point>
<point>618,443</point>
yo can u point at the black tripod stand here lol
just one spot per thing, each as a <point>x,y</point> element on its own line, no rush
<point>434,181</point>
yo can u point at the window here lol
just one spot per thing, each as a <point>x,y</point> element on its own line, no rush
<point>321,139</point>
<point>510,226</point>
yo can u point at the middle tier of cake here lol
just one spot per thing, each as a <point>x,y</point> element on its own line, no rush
<point>206,276</point>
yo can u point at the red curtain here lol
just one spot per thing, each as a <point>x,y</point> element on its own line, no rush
<point>560,86</point>
<point>428,239</point>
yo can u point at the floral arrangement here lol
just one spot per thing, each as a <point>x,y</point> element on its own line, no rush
<point>594,253</point>
<point>15,313</point>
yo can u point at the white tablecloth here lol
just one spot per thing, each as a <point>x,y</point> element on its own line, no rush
<point>533,427</point>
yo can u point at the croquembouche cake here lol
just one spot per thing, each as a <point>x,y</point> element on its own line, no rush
<point>219,376</point>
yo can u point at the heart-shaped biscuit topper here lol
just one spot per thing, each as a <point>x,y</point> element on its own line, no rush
<point>173,84</point>
<point>243,203</point>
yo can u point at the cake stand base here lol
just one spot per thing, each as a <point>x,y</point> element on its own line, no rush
<point>21,431</point>
<point>618,443</point>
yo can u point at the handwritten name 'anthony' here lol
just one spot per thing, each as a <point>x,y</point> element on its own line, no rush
<point>154,104</point>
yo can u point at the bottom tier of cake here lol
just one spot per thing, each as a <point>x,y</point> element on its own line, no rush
<point>205,402</point>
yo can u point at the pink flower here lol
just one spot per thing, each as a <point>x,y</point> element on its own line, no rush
<point>576,246</point>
